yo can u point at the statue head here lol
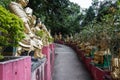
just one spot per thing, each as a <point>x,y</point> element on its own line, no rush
<point>23,2</point>
<point>29,11</point>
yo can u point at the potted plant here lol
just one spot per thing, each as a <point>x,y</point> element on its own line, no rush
<point>11,29</point>
<point>11,32</point>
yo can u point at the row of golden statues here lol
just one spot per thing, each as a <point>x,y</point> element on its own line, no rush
<point>101,49</point>
<point>31,42</point>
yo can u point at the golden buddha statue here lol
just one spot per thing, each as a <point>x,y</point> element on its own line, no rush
<point>46,35</point>
<point>115,73</point>
<point>82,46</point>
<point>31,18</point>
<point>103,50</point>
<point>115,68</point>
<point>55,37</point>
<point>98,57</point>
<point>88,50</point>
<point>31,42</point>
<point>60,36</point>
<point>18,9</point>
<point>67,38</point>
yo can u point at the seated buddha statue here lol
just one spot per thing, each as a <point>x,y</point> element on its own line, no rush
<point>60,36</point>
<point>98,57</point>
<point>82,46</point>
<point>88,50</point>
<point>31,18</point>
<point>103,50</point>
<point>48,35</point>
<point>41,27</point>
<point>55,37</point>
<point>67,38</point>
<point>31,42</point>
<point>115,73</point>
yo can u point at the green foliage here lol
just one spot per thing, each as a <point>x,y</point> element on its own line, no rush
<point>43,35</point>
<point>105,9</point>
<point>5,3</point>
<point>1,57</point>
<point>58,15</point>
<point>50,39</point>
<point>105,25</point>
<point>11,28</point>
<point>40,33</point>
<point>89,17</point>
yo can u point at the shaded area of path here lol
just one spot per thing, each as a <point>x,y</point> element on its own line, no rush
<point>67,65</point>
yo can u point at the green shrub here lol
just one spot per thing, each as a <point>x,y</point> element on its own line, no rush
<point>11,28</point>
<point>43,35</point>
<point>5,3</point>
<point>40,33</point>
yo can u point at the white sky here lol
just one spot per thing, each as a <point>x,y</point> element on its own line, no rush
<point>82,3</point>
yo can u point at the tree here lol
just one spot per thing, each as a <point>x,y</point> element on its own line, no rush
<point>58,15</point>
<point>5,3</point>
<point>105,9</point>
<point>89,16</point>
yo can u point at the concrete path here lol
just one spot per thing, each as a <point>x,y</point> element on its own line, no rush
<point>68,66</point>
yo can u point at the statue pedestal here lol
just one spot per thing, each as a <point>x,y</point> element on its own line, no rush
<point>98,73</point>
<point>52,48</point>
<point>18,68</point>
<point>83,56</point>
<point>38,69</point>
<point>87,63</point>
<point>46,51</point>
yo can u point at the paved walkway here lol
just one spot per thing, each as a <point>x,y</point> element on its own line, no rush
<point>67,65</point>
